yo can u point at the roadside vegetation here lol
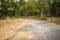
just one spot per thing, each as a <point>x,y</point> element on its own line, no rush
<point>39,9</point>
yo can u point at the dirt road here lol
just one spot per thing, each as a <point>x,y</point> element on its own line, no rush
<point>31,30</point>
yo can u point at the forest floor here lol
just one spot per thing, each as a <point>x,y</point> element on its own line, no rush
<point>21,29</point>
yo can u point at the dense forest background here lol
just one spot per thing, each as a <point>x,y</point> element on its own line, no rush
<point>41,8</point>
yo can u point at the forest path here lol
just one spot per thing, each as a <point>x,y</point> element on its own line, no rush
<point>31,30</point>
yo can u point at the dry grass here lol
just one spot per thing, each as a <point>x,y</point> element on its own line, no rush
<point>8,21</point>
<point>9,26</point>
<point>55,20</point>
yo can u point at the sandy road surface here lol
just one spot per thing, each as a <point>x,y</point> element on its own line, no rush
<point>31,30</point>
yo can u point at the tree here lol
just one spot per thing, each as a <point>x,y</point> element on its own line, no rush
<point>42,8</point>
<point>57,8</point>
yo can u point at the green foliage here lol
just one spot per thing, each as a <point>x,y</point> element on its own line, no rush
<point>14,8</point>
